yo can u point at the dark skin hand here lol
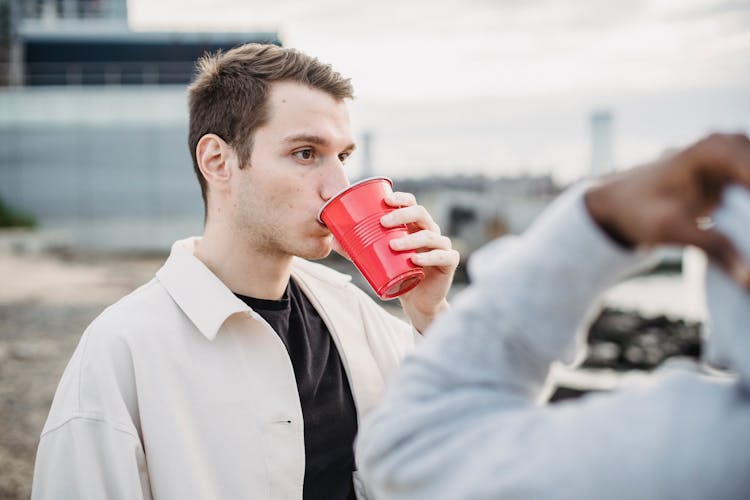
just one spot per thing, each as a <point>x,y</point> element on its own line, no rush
<point>663,202</point>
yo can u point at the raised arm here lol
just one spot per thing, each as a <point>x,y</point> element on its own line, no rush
<point>462,419</point>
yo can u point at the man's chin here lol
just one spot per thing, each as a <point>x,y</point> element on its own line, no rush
<point>318,253</point>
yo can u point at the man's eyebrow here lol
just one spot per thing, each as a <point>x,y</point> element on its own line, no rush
<point>315,139</point>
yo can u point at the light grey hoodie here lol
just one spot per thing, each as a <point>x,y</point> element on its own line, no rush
<point>728,342</point>
<point>462,419</point>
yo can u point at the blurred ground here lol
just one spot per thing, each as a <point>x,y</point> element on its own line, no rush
<point>46,301</point>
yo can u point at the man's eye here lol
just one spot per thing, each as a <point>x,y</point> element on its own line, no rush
<point>343,157</point>
<point>303,154</point>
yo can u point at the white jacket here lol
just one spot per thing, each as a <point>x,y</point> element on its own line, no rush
<point>180,390</point>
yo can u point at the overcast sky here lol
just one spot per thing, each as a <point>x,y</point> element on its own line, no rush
<point>517,52</point>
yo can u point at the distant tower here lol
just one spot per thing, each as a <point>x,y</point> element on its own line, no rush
<point>367,170</point>
<point>601,142</point>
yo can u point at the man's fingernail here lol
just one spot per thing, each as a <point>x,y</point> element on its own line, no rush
<point>397,244</point>
<point>386,219</point>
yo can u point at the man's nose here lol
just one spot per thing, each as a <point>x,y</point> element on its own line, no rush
<point>334,181</point>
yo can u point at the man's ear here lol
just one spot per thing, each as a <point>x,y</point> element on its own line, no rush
<point>214,160</point>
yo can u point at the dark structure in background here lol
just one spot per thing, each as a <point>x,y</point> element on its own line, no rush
<point>124,59</point>
<point>6,42</point>
<point>88,42</point>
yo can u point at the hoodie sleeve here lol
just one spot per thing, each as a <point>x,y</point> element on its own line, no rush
<point>462,418</point>
<point>728,344</point>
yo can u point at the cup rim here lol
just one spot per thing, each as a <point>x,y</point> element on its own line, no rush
<point>346,189</point>
<point>417,272</point>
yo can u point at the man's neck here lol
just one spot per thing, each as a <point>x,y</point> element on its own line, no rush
<point>242,267</point>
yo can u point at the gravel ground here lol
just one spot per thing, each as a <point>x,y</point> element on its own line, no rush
<point>46,301</point>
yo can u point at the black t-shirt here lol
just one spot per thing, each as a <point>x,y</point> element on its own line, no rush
<point>328,410</point>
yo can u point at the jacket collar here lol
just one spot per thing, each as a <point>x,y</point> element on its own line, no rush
<point>207,301</point>
<point>203,297</point>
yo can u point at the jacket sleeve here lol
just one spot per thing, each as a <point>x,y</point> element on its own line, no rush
<point>462,418</point>
<point>89,458</point>
<point>90,446</point>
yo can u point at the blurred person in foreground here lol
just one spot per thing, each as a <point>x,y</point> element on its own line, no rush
<point>242,369</point>
<point>465,417</point>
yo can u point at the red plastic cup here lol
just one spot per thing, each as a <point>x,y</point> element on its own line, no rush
<point>353,216</point>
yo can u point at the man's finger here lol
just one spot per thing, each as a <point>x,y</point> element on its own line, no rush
<point>399,199</point>
<point>730,154</point>
<point>717,247</point>
<point>421,239</point>
<point>437,258</point>
<point>415,214</point>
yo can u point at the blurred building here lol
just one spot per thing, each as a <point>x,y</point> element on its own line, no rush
<point>93,122</point>
<point>473,210</point>
<point>602,159</point>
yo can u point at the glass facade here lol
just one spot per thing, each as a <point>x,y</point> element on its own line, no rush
<point>133,59</point>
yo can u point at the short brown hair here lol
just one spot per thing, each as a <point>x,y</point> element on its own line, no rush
<point>228,95</point>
